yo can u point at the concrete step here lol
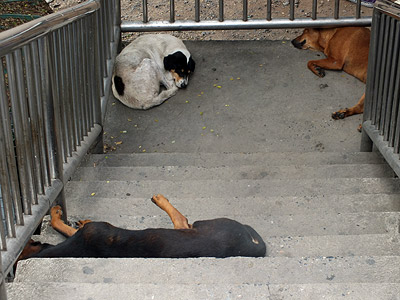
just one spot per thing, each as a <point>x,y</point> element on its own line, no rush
<point>246,206</point>
<point>280,225</point>
<point>231,159</point>
<point>302,246</point>
<point>234,188</point>
<point>235,271</point>
<point>162,291</point>
<point>243,172</point>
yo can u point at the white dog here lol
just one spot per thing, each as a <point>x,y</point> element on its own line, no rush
<point>147,63</point>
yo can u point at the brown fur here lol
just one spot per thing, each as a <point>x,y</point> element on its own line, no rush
<point>345,49</point>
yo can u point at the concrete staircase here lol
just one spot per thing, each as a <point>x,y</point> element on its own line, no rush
<point>262,149</point>
<point>330,222</point>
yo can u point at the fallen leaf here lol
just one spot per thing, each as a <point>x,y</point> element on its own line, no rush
<point>118,143</point>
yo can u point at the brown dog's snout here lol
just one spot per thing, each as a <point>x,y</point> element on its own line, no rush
<point>298,44</point>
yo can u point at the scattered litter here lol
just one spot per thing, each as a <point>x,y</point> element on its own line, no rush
<point>108,181</point>
<point>187,101</point>
<point>140,147</point>
<point>92,194</point>
<point>155,120</point>
<point>231,78</point>
<point>173,142</point>
<point>204,127</point>
<point>135,125</point>
<point>118,143</point>
<point>144,150</point>
<point>201,113</point>
<point>113,103</point>
<point>123,131</point>
<point>211,130</point>
<point>215,84</point>
<point>129,120</point>
<point>238,78</point>
<point>226,105</point>
<point>218,86</point>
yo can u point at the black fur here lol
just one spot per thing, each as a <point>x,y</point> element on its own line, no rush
<point>178,62</point>
<point>212,238</point>
<point>119,85</point>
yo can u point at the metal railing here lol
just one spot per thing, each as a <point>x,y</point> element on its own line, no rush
<point>55,77</point>
<point>381,123</point>
<point>267,22</point>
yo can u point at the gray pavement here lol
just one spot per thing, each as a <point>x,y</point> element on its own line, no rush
<point>245,96</point>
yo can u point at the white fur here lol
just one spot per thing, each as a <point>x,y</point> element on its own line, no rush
<point>141,67</point>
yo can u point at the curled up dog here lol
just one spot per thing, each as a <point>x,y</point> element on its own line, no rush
<point>151,63</point>
<point>345,49</point>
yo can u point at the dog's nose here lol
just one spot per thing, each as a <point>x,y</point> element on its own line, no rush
<point>183,85</point>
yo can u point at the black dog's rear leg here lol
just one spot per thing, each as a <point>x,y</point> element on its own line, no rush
<point>179,221</point>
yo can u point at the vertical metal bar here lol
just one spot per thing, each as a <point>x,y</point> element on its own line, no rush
<point>336,11</point>
<point>88,65</point>
<point>94,48</point>
<point>197,10</point>
<point>386,100</point>
<point>396,142</point>
<point>33,115</point>
<point>9,153</point>
<point>106,28</point>
<point>171,11</point>
<point>83,64</point>
<point>145,11</point>
<point>27,134</point>
<point>377,70</point>
<point>23,170</point>
<point>6,195</point>
<point>68,115</point>
<point>269,10</point>
<point>101,41</point>
<point>245,13</point>
<point>46,100</point>
<point>57,92</point>
<point>110,15</point>
<point>71,47</point>
<point>395,77</point>
<point>380,101</point>
<point>291,12</point>
<point>221,11</point>
<point>78,81</point>
<point>40,113</point>
<point>53,121</point>
<point>314,9</point>
<point>358,9</point>
<point>3,294</point>
<point>101,60</point>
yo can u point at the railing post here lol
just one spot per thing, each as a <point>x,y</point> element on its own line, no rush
<point>52,114</point>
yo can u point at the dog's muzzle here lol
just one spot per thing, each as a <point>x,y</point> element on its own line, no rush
<point>298,44</point>
<point>182,82</point>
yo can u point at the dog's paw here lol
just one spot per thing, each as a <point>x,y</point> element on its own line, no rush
<point>341,114</point>
<point>320,71</point>
<point>56,211</point>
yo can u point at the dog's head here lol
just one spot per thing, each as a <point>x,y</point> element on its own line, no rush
<point>180,67</point>
<point>308,39</point>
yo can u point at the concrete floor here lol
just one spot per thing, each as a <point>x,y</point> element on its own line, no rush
<point>251,96</point>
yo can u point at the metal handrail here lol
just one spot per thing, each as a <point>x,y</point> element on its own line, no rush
<point>52,103</point>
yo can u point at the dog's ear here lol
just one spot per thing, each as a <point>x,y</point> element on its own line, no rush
<point>169,62</point>
<point>191,64</point>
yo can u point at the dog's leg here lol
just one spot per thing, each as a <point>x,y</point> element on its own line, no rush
<point>179,221</point>
<point>318,66</point>
<point>58,224</point>
<point>356,109</point>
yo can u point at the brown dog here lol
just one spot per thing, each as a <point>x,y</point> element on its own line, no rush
<point>345,49</point>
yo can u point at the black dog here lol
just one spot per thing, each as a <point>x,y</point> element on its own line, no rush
<point>212,238</point>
